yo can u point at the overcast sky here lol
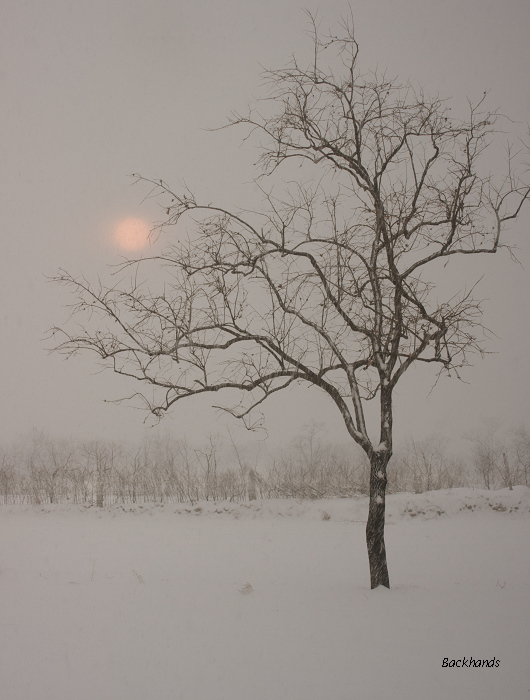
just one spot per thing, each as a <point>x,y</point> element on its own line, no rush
<point>94,91</point>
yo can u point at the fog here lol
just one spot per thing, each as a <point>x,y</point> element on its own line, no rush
<point>94,91</point>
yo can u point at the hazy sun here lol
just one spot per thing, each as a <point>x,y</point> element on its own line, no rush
<point>132,234</point>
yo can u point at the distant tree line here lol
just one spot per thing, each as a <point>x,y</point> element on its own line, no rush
<point>40,469</point>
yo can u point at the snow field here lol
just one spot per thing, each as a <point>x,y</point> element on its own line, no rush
<point>265,601</point>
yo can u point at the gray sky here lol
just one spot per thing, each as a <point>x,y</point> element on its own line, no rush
<point>94,91</point>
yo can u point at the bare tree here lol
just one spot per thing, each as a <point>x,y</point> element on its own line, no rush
<point>500,457</point>
<point>488,447</point>
<point>425,465</point>
<point>101,459</point>
<point>334,283</point>
<point>521,449</point>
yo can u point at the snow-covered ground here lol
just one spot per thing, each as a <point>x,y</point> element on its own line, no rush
<point>267,600</point>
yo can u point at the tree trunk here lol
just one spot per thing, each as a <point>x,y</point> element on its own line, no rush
<point>508,477</point>
<point>99,490</point>
<point>375,526</point>
<point>251,485</point>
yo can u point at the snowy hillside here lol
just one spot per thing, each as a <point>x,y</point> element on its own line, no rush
<point>267,600</point>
